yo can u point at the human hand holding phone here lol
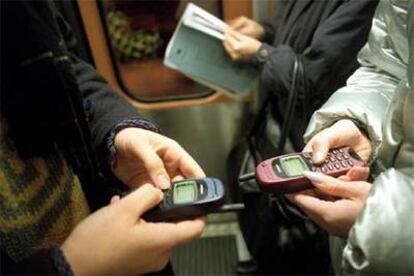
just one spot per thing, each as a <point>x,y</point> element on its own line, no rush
<point>342,133</point>
<point>115,240</point>
<point>144,156</point>
<point>335,203</point>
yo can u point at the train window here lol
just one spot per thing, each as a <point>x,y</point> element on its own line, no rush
<point>138,32</point>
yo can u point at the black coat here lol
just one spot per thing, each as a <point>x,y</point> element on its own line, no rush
<point>328,35</point>
<point>50,96</point>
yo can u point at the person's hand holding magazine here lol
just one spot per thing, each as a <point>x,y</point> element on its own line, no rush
<point>239,46</point>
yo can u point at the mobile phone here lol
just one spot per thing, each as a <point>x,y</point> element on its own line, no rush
<point>283,174</point>
<point>189,198</point>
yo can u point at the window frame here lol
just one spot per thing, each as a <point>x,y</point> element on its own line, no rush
<point>92,14</point>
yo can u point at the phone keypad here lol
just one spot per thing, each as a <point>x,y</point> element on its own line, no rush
<point>336,160</point>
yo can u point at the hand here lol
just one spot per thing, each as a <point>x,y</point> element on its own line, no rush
<point>336,215</point>
<point>247,27</point>
<point>240,47</point>
<point>147,157</point>
<point>114,240</point>
<point>342,133</point>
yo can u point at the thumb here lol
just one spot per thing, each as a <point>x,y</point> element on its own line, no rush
<point>234,34</point>
<point>330,185</point>
<point>334,136</point>
<point>141,200</point>
<point>320,148</point>
<point>154,166</point>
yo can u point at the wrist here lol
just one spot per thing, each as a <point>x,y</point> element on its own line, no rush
<point>262,55</point>
<point>110,140</point>
<point>351,124</point>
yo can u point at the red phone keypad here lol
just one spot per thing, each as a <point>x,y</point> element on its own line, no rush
<point>336,160</point>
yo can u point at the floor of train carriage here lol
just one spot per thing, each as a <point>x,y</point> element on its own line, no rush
<point>217,252</point>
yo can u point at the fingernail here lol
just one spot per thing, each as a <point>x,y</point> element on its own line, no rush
<point>115,199</point>
<point>318,156</point>
<point>163,181</point>
<point>314,176</point>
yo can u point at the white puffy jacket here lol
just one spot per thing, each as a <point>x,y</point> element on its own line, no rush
<point>380,96</point>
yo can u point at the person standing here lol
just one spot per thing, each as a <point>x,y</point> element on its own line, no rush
<point>67,143</point>
<point>371,221</point>
<point>323,37</point>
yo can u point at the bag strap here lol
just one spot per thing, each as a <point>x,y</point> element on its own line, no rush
<point>291,104</point>
<point>297,77</point>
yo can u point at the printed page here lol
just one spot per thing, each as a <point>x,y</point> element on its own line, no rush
<point>203,58</point>
<point>196,50</point>
<point>203,21</point>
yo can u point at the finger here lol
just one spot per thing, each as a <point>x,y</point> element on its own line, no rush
<point>229,41</point>
<point>237,23</point>
<point>189,167</point>
<point>229,48</point>
<point>141,200</point>
<point>331,186</point>
<point>314,207</point>
<point>308,147</point>
<point>236,35</point>
<point>115,199</point>
<point>154,166</point>
<point>232,40</point>
<point>178,161</point>
<point>186,231</point>
<point>309,192</point>
<point>344,178</point>
<point>320,147</point>
<point>168,235</point>
<point>320,144</point>
<point>323,196</point>
<point>178,177</point>
<point>305,201</point>
<point>342,133</point>
<point>358,173</point>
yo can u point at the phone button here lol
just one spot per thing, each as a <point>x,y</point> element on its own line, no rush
<point>350,162</point>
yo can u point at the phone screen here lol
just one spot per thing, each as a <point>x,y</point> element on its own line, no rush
<point>294,165</point>
<point>185,192</point>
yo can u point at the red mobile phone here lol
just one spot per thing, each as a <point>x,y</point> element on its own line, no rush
<point>283,174</point>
